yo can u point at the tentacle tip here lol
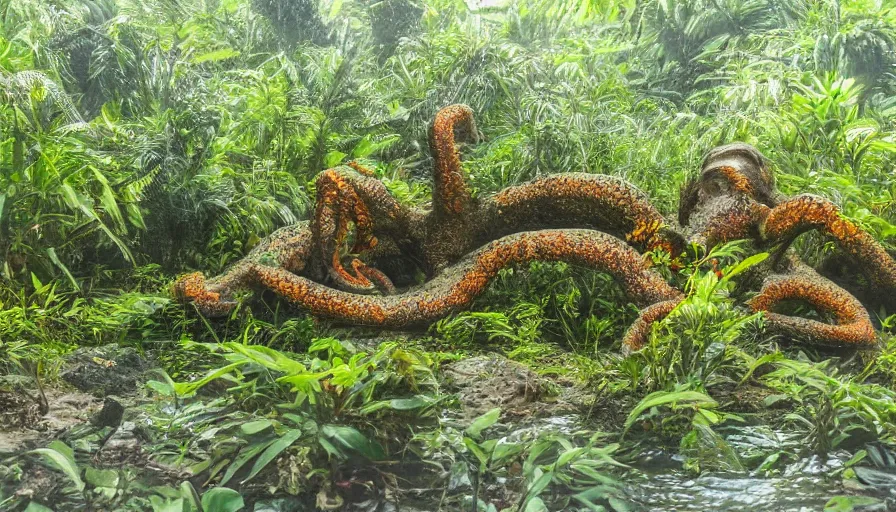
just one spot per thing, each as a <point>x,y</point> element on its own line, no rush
<point>192,288</point>
<point>188,287</point>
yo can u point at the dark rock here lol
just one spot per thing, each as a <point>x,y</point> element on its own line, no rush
<point>111,413</point>
<point>18,411</point>
<point>106,370</point>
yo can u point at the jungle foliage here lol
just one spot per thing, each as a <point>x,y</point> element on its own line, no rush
<point>140,139</point>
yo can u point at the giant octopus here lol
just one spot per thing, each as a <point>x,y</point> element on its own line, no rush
<point>345,262</point>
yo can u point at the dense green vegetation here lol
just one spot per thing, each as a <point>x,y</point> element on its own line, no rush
<point>143,139</point>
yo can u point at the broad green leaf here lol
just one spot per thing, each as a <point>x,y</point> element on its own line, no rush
<point>101,477</point>
<point>215,56</point>
<point>267,357</point>
<point>254,427</point>
<point>368,146</point>
<point>350,438</point>
<point>161,504</point>
<point>849,503</point>
<point>536,505</point>
<point>35,282</point>
<point>222,499</point>
<point>335,9</point>
<point>64,463</point>
<point>536,488</point>
<point>692,398</point>
<point>477,451</point>
<point>34,506</point>
<point>334,158</point>
<point>745,264</point>
<point>483,422</point>
<point>272,451</point>
<point>160,388</point>
<point>51,252</point>
<point>188,388</point>
<point>108,201</point>
<point>246,454</point>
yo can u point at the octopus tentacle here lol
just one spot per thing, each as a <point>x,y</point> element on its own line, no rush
<point>451,194</point>
<point>806,212</point>
<point>852,324</point>
<point>193,288</point>
<point>636,336</point>
<point>288,248</point>
<point>346,196</point>
<point>461,283</point>
<point>337,206</point>
<point>602,202</point>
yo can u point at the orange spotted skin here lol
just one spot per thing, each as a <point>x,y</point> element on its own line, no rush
<point>339,205</point>
<point>330,266</point>
<point>346,198</point>
<point>734,198</point>
<point>637,335</point>
<point>457,224</point>
<point>451,194</point>
<point>192,288</point>
<point>805,212</point>
<point>350,201</point>
<point>851,322</point>
<point>459,284</point>
<point>289,248</point>
<point>738,180</point>
<point>607,203</point>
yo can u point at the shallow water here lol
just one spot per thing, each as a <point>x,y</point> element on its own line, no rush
<point>661,484</point>
<point>679,491</point>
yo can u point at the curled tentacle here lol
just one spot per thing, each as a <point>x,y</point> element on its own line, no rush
<point>806,212</point>
<point>636,336</point>
<point>852,324</point>
<point>451,195</point>
<point>288,248</point>
<point>345,197</point>
<point>192,288</point>
<point>449,227</point>
<point>458,285</point>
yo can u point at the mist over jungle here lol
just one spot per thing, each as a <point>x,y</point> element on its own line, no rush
<point>439,255</point>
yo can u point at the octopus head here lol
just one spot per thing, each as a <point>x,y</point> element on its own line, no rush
<point>727,200</point>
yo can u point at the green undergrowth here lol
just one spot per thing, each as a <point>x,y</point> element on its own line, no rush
<point>143,139</point>
<point>276,411</point>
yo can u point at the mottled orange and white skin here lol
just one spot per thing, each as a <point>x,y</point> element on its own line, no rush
<point>605,203</point>
<point>349,198</point>
<point>807,212</point>
<point>638,334</point>
<point>288,248</point>
<point>351,201</point>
